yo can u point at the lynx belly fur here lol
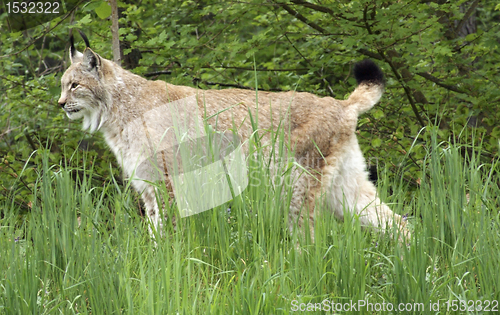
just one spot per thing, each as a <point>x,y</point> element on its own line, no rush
<point>321,131</point>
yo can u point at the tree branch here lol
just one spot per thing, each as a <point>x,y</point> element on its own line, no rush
<point>322,9</point>
<point>424,75</point>
<point>307,60</point>
<point>314,6</point>
<point>155,73</point>
<point>370,54</point>
<point>115,37</point>
<point>23,206</point>
<point>432,78</point>
<point>302,18</point>
<point>262,70</point>
<point>48,30</point>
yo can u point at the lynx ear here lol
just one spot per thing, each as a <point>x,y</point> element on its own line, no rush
<point>74,55</point>
<point>91,61</point>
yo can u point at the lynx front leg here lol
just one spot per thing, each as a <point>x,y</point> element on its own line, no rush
<point>152,211</point>
<point>156,210</point>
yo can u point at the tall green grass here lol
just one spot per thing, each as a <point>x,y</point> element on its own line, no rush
<point>83,249</point>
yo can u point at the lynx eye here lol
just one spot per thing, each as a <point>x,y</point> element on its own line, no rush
<point>74,85</point>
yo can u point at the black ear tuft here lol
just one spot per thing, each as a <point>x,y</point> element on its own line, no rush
<point>368,72</point>
<point>85,39</point>
<point>72,47</point>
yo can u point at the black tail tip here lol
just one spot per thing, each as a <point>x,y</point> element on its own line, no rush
<point>368,72</point>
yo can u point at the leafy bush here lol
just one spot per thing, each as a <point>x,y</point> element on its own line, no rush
<point>440,59</point>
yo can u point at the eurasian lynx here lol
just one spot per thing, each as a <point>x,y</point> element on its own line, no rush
<point>321,131</point>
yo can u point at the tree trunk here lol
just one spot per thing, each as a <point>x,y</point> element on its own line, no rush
<point>117,58</point>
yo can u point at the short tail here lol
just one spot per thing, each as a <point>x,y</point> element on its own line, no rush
<point>370,86</point>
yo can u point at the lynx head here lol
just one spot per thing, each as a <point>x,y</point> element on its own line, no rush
<point>83,92</point>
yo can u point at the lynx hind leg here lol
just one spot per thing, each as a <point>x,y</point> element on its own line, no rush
<point>301,205</point>
<point>350,192</point>
<point>374,213</point>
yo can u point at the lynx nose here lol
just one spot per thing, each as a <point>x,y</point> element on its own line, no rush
<point>62,101</point>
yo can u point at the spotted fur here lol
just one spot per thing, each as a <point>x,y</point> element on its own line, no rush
<point>320,129</point>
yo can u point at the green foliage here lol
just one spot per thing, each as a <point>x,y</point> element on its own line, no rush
<point>438,81</point>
